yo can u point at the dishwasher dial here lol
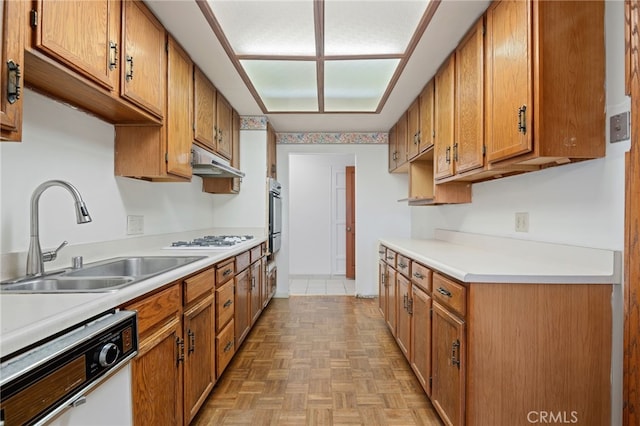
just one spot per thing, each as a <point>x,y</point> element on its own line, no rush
<point>108,355</point>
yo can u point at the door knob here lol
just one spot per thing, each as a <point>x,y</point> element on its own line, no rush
<point>348,229</point>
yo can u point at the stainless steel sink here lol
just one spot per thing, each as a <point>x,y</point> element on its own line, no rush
<point>104,276</point>
<point>132,266</point>
<point>67,285</point>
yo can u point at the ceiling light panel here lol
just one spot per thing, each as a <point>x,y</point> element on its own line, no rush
<point>370,27</point>
<point>284,85</point>
<point>356,85</point>
<point>267,27</point>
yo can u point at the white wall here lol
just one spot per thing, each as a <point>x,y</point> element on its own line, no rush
<point>62,143</point>
<point>378,212</point>
<point>310,203</point>
<point>579,204</point>
<point>248,209</point>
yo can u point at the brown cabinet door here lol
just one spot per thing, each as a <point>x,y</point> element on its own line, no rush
<point>156,381</point>
<point>143,65</point>
<point>402,139</point>
<point>179,102</point>
<point>426,116</point>
<point>242,300</point>
<point>224,123</point>
<point>199,363</point>
<point>403,335</point>
<point>444,118</point>
<point>12,56</point>
<point>421,336</point>
<point>448,365</point>
<point>392,302</point>
<point>256,284</point>
<point>413,133</point>
<point>469,105</point>
<point>81,35</point>
<point>393,154</point>
<point>382,288</point>
<point>204,110</point>
<point>271,152</point>
<point>509,84</point>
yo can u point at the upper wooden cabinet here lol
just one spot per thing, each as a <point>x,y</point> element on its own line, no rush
<point>427,129</point>
<point>143,66</point>
<point>545,82</point>
<point>398,143</point>
<point>162,153</point>
<point>204,111</point>
<point>272,168</point>
<point>444,118</point>
<point>413,126</point>
<point>224,126</point>
<point>106,57</point>
<point>12,63</point>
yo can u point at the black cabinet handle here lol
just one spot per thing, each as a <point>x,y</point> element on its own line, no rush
<point>444,292</point>
<point>129,74</point>
<point>227,303</point>
<point>13,82</point>
<point>522,119</point>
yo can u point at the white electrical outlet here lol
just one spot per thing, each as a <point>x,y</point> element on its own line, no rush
<point>135,225</point>
<point>522,222</point>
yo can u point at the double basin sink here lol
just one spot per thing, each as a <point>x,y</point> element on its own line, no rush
<point>104,276</point>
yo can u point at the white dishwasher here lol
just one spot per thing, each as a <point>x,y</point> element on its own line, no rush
<point>79,378</point>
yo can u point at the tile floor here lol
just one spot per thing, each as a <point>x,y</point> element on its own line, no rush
<point>316,285</point>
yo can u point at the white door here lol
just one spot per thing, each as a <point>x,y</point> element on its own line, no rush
<point>338,221</point>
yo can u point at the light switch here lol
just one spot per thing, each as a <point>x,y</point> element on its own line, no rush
<point>619,127</point>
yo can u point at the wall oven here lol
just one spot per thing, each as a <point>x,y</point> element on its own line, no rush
<point>275,215</point>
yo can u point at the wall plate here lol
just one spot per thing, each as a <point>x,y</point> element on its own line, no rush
<point>619,127</point>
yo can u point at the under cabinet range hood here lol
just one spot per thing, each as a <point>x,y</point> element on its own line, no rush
<point>207,164</point>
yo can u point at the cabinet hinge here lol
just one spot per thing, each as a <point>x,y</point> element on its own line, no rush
<point>484,150</point>
<point>166,157</point>
<point>34,18</point>
<point>484,29</point>
<point>166,46</point>
<point>430,316</point>
<point>430,381</point>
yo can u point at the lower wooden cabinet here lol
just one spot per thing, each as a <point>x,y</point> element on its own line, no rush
<point>448,340</point>
<point>255,291</point>
<point>492,353</point>
<point>403,331</point>
<point>225,347</point>
<point>199,361</point>
<point>242,301</point>
<point>157,369</point>
<point>421,337</point>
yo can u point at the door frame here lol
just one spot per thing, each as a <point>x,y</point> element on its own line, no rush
<point>631,362</point>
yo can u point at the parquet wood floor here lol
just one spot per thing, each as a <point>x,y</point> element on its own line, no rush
<point>321,360</point>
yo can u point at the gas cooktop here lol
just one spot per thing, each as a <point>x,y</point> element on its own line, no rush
<point>210,242</point>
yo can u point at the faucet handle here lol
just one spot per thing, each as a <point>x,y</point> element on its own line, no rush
<point>48,256</point>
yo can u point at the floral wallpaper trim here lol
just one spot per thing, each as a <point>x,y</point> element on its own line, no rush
<point>253,122</point>
<point>332,138</point>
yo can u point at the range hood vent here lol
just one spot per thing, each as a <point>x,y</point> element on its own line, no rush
<point>206,164</point>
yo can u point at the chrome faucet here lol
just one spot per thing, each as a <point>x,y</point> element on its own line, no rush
<point>35,257</point>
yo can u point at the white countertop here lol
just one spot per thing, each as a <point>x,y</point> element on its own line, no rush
<point>28,318</point>
<point>475,258</point>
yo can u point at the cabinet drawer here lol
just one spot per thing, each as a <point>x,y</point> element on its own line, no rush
<point>382,252</point>
<point>198,285</point>
<point>225,348</point>
<point>450,294</point>
<point>421,276</point>
<point>256,253</point>
<point>224,272</point>
<point>155,309</point>
<point>403,265</point>
<point>390,258</point>
<point>242,261</point>
<point>224,305</point>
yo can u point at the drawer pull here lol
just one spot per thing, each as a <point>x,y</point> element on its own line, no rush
<point>192,341</point>
<point>380,251</point>
<point>228,347</point>
<point>455,353</point>
<point>389,257</point>
<point>227,303</point>
<point>180,349</point>
<point>406,301</point>
<point>226,272</point>
<point>402,265</point>
<point>418,275</point>
<point>444,292</point>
